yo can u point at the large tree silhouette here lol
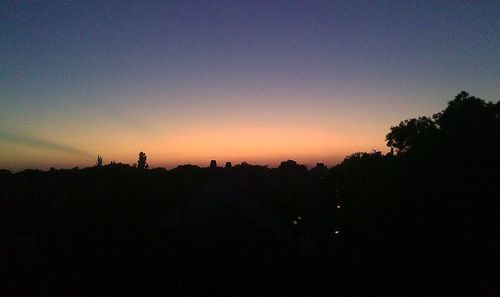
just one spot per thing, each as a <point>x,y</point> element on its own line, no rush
<point>468,124</point>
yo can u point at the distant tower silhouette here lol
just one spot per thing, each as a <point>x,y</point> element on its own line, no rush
<point>213,164</point>
<point>228,165</point>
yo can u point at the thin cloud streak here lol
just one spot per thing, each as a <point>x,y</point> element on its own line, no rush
<point>32,142</point>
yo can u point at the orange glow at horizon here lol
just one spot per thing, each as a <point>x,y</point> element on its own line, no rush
<point>263,145</point>
<point>170,135</point>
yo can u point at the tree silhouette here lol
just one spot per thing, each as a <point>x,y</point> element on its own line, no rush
<point>469,121</point>
<point>98,163</point>
<point>467,124</point>
<point>411,133</point>
<point>141,163</point>
<point>291,165</point>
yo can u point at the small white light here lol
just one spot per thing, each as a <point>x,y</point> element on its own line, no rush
<point>337,232</point>
<point>338,206</point>
<point>299,218</point>
<point>294,222</point>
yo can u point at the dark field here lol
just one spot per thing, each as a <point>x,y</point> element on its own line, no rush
<point>105,230</point>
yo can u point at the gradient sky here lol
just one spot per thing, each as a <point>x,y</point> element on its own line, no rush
<point>255,81</point>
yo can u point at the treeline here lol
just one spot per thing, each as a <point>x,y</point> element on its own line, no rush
<point>421,220</point>
<point>429,211</point>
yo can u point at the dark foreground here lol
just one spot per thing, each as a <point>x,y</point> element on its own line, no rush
<point>115,230</point>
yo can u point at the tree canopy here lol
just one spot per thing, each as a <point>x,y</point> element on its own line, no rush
<point>466,123</point>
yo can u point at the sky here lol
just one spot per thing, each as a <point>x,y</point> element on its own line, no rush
<point>254,81</point>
